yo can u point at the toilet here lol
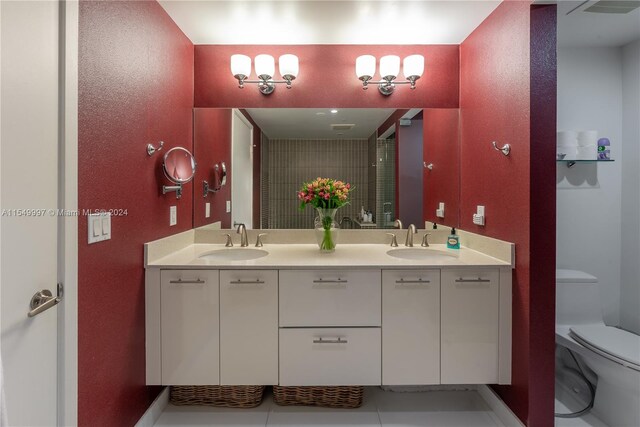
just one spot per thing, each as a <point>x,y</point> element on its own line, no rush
<point>611,353</point>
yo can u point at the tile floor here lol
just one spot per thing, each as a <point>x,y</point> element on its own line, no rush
<point>380,408</point>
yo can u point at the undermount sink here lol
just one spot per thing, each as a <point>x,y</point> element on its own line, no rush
<point>419,254</point>
<point>240,254</point>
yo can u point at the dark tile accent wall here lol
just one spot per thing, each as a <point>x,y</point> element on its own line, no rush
<point>371,168</point>
<point>290,162</point>
<point>385,182</point>
<point>264,182</point>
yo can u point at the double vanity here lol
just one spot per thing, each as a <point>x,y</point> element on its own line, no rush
<point>367,314</point>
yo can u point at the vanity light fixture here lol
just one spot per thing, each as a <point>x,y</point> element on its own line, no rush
<point>413,67</point>
<point>265,70</point>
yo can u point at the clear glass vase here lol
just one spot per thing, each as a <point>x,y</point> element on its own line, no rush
<point>326,229</point>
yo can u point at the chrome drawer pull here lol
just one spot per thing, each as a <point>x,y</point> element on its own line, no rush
<point>409,282</point>
<point>339,280</point>
<point>187,282</point>
<point>338,340</point>
<point>247,282</point>
<point>478,280</point>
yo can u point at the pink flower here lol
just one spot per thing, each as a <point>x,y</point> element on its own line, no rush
<point>326,197</point>
<point>348,186</point>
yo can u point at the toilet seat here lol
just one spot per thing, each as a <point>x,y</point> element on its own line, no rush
<point>615,344</point>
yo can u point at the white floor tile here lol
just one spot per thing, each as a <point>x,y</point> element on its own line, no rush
<point>307,416</point>
<point>380,408</point>
<point>197,416</point>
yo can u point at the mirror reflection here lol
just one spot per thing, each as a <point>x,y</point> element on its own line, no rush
<point>382,153</point>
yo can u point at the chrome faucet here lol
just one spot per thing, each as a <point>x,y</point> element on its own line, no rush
<point>397,224</point>
<point>410,232</point>
<point>244,239</point>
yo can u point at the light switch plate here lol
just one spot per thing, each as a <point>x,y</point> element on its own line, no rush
<point>228,206</point>
<point>440,210</point>
<point>99,227</point>
<point>173,215</point>
<point>207,210</point>
<point>478,217</point>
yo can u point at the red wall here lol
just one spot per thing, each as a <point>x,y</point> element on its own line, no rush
<point>499,102</point>
<point>327,78</point>
<point>135,87</point>
<point>212,144</point>
<point>441,147</point>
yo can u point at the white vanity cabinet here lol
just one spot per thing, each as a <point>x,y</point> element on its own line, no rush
<point>410,327</point>
<point>470,326</point>
<point>330,327</point>
<point>189,312</point>
<point>329,298</point>
<point>248,327</point>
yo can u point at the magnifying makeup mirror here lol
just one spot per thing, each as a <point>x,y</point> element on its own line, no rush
<point>179,167</point>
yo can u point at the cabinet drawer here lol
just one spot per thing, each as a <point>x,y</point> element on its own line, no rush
<point>248,327</point>
<point>330,356</point>
<point>410,327</point>
<point>470,329</point>
<point>330,298</point>
<point>190,329</point>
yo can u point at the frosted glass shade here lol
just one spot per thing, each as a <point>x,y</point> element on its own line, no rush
<point>288,65</point>
<point>240,65</point>
<point>413,66</point>
<point>265,65</point>
<point>365,66</point>
<point>389,66</point>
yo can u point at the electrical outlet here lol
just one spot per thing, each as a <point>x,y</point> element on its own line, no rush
<point>173,215</point>
<point>228,206</point>
<point>440,210</point>
<point>478,217</point>
<point>207,210</point>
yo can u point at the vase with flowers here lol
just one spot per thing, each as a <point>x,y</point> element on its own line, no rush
<point>326,195</point>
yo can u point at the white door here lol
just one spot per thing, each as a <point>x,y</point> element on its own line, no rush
<point>29,188</point>
<point>241,170</point>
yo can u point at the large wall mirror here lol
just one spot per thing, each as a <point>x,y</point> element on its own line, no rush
<point>401,163</point>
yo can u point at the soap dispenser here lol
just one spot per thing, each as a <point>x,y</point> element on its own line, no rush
<point>453,241</point>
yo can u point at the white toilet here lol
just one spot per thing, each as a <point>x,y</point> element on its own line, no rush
<point>612,353</point>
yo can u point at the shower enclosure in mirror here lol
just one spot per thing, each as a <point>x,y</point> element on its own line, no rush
<point>382,153</point>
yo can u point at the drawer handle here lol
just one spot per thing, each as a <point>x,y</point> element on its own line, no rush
<point>406,282</point>
<point>247,282</point>
<point>338,280</point>
<point>187,282</point>
<point>478,280</point>
<point>338,340</point>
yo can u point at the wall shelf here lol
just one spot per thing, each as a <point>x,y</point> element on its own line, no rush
<point>571,163</point>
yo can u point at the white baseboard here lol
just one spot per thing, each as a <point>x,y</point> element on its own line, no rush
<point>154,411</point>
<point>499,408</point>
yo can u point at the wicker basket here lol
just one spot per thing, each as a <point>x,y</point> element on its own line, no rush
<point>328,396</point>
<point>237,396</point>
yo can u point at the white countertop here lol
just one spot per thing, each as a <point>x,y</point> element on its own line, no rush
<point>299,256</point>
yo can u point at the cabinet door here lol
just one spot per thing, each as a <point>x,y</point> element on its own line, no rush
<point>470,328</point>
<point>310,298</point>
<point>335,356</point>
<point>190,329</point>
<point>248,327</point>
<point>410,327</point>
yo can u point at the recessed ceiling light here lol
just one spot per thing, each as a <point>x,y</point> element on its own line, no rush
<point>334,111</point>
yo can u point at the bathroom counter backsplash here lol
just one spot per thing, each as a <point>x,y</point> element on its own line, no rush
<point>298,249</point>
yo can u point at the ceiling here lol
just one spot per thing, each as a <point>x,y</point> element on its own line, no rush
<point>328,22</point>
<point>315,123</point>
<point>580,28</point>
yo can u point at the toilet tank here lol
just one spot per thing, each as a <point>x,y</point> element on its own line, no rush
<point>577,298</point>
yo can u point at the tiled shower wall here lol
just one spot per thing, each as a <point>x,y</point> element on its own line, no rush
<point>371,167</point>
<point>385,182</point>
<point>290,162</point>
<point>264,181</point>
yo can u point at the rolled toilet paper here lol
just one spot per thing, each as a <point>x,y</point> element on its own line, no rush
<point>567,138</point>
<point>587,138</point>
<point>569,152</point>
<point>589,152</point>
